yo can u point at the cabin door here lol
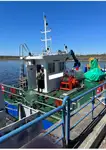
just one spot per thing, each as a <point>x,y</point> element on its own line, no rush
<point>38,68</point>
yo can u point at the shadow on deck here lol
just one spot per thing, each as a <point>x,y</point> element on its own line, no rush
<point>75,143</point>
<point>77,134</point>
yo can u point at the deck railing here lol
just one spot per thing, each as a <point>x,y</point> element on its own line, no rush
<point>71,114</point>
<point>42,117</point>
<point>41,100</point>
<point>67,115</point>
<point>6,89</point>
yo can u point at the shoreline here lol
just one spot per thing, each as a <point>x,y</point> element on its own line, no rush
<point>9,58</point>
<point>81,58</point>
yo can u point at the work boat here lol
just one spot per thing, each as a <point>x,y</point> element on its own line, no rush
<point>24,103</point>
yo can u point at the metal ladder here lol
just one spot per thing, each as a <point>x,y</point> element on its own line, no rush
<point>22,79</point>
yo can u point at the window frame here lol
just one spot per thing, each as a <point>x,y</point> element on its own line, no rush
<point>61,66</point>
<point>51,69</point>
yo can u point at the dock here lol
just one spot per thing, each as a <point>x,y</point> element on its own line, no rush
<point>79,134</point>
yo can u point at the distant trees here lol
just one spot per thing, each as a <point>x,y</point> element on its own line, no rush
<point>9,57</point>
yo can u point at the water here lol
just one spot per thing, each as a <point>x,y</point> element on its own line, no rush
<point>9,70</point>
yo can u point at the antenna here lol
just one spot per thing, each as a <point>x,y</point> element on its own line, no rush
<point>45,33</point>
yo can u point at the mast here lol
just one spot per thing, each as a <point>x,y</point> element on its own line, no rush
<point>45,40</point>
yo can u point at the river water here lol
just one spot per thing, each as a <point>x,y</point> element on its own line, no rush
<point>10,70</point>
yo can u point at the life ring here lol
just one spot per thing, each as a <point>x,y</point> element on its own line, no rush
<point>58,103</point>
<point>2,88</point>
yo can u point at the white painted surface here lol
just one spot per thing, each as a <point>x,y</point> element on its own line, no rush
<point>28,110</point>
<point>45,78</point>
<point>54,76</point>
<point>50,57</point>
<point>34,57</point>
<point>31,75</point>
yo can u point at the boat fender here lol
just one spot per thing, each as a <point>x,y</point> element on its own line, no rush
<point>2,88</point>
<point>99,89</point>
<point>58,103</point>
<point>13,90</point>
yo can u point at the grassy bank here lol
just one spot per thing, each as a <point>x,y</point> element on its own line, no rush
<point>9,57</point>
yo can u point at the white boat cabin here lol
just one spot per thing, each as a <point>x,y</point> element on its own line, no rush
<point>53,70</point>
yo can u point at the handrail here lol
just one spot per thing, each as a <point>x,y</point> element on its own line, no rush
<point>24,99</point>
<point>65,116</point>
<point>85,93</point>
<point>85,116</point>
<point>86,104</point>
<point>23,127</point>
<point>92,101</point>
<point>18,96</point>
<point>12,87</point>
<point>37,93</point>
<point>45,95</point>
<point>29,104</point>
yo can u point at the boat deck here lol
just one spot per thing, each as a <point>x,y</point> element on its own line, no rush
<point>58,95</point>
<point>47,102</point>
<point>9,119</point>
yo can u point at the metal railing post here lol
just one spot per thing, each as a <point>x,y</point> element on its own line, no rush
<point>105,99</point>
<point>19,111</point>
<point>104,88</point>
<point>93,102</point>
<point>68,122</point>
<point>64,125</point>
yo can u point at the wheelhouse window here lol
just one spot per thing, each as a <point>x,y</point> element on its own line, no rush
<point>61,66</point>
<point>51,67</point>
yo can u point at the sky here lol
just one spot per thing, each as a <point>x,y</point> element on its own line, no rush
<point>79,25</point>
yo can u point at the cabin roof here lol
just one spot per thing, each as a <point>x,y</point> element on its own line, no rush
<point>51,56</point>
